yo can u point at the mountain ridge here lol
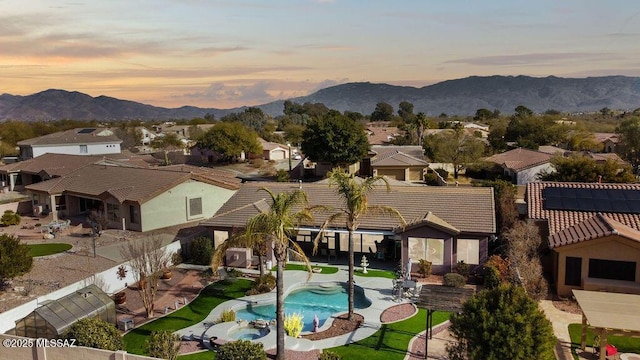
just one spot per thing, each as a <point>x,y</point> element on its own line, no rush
<point>453,97</point>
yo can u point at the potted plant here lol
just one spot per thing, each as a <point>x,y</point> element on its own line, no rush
<point>166,274</point>
<point>120,298</point>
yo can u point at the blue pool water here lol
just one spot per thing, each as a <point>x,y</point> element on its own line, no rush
<point>323,300</point>
<point>248,333</point>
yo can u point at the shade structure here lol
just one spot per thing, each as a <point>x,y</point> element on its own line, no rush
<point>53,318</point>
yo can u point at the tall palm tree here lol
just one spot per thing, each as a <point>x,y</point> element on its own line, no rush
<point>276,225</point>
<point>354,194</point>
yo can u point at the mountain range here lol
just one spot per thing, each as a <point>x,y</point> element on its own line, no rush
<point>452,97</point>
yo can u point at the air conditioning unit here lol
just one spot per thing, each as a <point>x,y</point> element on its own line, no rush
<point>37,210</point>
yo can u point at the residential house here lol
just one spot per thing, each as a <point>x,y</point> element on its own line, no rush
<point>380,133</point>
<point>523,165</point>
<point>609,141</point>
<point>139,199</point>
<point>274,151</point>
<point>593,232</point>
<point>83,141</point>
<point>404,163</point>
<point>444,225</point>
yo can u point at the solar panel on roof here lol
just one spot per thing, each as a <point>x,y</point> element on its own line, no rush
<point>86,131</point>
<point>592,200</point>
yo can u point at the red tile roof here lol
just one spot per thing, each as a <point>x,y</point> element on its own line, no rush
<point>595,227</point>
<point>561,219</point>
<point>520,159</point>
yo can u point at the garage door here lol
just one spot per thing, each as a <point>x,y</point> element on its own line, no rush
<point>278,155</point>
<point>397,174</point>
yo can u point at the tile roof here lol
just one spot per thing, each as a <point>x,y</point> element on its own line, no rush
<point>433,221</point>
<point>600,137</point>
<point>123,183</point>
<point>595,227</point>
<point>52,165</point>
<point>73,136</point>
<point>520,159</point>
<point>268,145</point>
<point>397,158</point>
<point>381,151</point>
<point>469,209</point>
<point>561,219</point>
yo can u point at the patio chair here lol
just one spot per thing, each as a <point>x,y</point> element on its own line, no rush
<point>612,351</point>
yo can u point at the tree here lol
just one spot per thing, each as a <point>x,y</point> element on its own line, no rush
<point>130,136</point>
<point>382,112</point>
<point>354,193</point>
<point>629,141</point>
<point>583,140</point>
<point>483,114</point>
<point>454,147</point>
<point>167,143</point>
<point>96,333</point>
<point>582,168</point>
<point>522,112</point>
<point>15,259</point>
<point>501,323</point>
<point>231,139</point>
<point>335,139</point>
<point>164,345</point>
<point>276,226</point>
<point>293,133</point>
<point>523,251</point>
<point>505,203</point>
<point>148,259</point>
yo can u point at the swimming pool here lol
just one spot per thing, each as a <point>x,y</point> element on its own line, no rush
<point>323,300</point>
<point>248,333</point>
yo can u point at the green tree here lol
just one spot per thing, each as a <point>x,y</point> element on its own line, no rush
<point>15,259</point>
<point>483,115</point>
<point>336,139</point>
<point>454,147</point>
<point>501,323</point>
<point>293,133</point>
<point>629,141</point>
<point>354,193</point>
<point>13,131</point>
<point>583,140</point>
<point>96,333</point>
<point>200,251</point>
<point>277,226</point>
<point>582,168</point>
<point>522,112</point>
<point>167,143</point>
<point>164,345</point>
<point>231,139</point>
<point>382,112</point>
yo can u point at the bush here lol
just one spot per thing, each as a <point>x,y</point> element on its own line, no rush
<point>282,175</point>
<point>502,323</point>
<point>431,179</point>
<point>263,284</point>
<point>453,280</point>
<point>96,333</point>
<point>10,218</point>
<point>329,355</point>
<point>491,277</point>
<point>164,345</point>
<point>442,172</point>
<point>228,315</point>
<point>15,259</point>
<point>424,267</point>
<point>501,265</point>
<point>462,268</point>
<point>293,324</point>
<point>241,349</point>
<point>200,251</point>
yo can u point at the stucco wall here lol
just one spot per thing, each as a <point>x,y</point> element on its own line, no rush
<point>531,174</point>
<point>608,248</point>
<point>74,149</point>
<point>170,207</point>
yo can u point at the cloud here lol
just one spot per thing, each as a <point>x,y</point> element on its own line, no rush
<point>529,59</point>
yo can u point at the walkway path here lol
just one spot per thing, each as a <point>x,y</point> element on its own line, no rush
<point>560,320</point>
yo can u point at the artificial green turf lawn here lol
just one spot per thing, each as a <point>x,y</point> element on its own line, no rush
<point>203,355</point>
<point>376,273</point>
<point>194,312</point>
<point>325,269</point>
<point>391,341</point>
<point>623,343</point>
<point>36,250</point>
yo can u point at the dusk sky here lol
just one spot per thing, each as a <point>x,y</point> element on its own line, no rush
<point>230,53</point>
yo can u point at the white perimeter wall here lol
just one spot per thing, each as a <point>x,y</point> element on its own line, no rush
<point>74,149</point>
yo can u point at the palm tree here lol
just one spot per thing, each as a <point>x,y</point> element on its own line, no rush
<point>355,204</point>
<point>276,225</point>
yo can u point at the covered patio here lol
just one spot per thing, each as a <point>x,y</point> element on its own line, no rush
<point>608,314</point>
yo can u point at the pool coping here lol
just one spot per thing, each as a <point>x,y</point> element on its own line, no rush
<point>377,290</point>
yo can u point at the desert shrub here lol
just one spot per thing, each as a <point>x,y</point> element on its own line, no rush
<point>257,163</point>
<point>462,268</point>
<point>293,324</point>
<point>233,272</point>
<point>241,349</point>
<point>444,173</point>
<point>96,333</point>
<point>263,284</point>
<point>164,345</point>
<point>453,280</point>
<point>200,251</point>
<point>491,277</point>
<point>282,175</point>
<point>15,259</point>
<point>10,218</point>
<point>424,267</point>
<point>176,258</point>
<point>431,179</point>
<point>228,315</point>
<point>329,355</point>
<point>501,265</point>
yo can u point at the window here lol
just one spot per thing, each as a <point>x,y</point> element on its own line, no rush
<point>113,212</point>
<point>429,249</point>
<point>134,214</point>
<point>469,251</point>
<point>612,270</point>
<point>194,207</point>
<point>83,149</point>
<point>573,271</point>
